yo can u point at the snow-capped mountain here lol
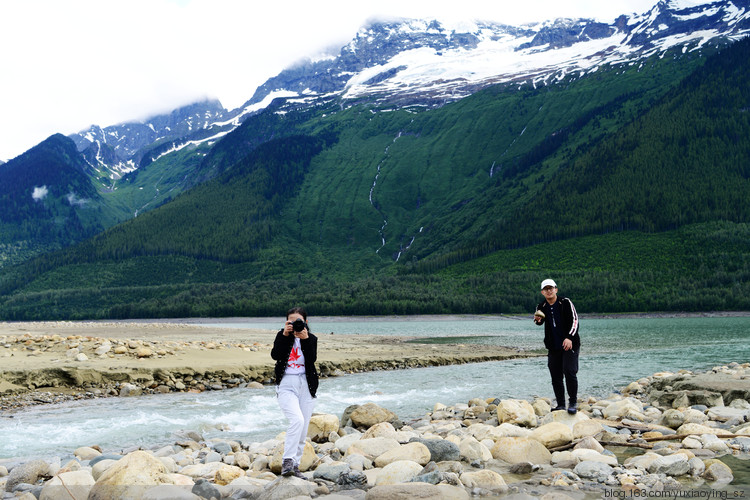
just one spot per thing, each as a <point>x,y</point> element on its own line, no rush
<point>429,63</point>
<point>424,62</point>
<point>119,149</point>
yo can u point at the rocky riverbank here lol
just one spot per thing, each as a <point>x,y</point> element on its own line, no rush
<point>56,361</point>
<point>659,437</point>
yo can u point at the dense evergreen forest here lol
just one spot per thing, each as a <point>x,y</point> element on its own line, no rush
<point>629,186</point>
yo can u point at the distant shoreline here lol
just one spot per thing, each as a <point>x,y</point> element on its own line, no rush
<point>274,321</point>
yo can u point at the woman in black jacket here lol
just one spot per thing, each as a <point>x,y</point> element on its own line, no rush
<point>295,350</point>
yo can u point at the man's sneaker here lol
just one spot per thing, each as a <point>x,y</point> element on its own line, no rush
<point>296,473</point>
<point>287,467</point>
<point>558,407</point>
<point>572,409</point>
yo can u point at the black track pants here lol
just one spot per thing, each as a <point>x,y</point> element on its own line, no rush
<point>564,364</point>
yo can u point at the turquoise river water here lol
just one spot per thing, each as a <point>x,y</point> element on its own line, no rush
<point>615,351</point>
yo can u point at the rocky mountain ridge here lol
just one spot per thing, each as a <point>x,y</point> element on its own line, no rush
<point>426,63</point>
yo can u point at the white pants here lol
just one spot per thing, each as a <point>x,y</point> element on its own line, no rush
<point>297,405</point>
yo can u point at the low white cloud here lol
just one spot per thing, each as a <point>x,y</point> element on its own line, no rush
<point>39,193</point>
<point>227,48</point>
<point>75,201</point>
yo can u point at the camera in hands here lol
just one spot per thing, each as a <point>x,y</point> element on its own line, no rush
<point>298,325</point>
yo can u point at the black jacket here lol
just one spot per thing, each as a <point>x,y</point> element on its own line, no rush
<point>569,318</point>
<point>282,347</point>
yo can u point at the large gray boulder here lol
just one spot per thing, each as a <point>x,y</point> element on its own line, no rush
<point>28,473</point>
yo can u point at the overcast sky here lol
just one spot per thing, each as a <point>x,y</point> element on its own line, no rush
<point>67,64</point>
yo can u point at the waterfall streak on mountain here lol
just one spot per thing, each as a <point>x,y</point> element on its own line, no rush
<point>519,135</point>
<point>372,189</point>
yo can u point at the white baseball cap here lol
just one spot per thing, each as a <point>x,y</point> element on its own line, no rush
<point>548,282</point>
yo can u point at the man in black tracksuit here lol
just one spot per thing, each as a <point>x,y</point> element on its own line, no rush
<point>560,320</point>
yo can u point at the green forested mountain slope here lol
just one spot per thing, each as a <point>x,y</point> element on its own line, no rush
<point>47,200</point>
<point>305,201</point>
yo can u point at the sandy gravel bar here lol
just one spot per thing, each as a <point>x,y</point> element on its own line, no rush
<point>100,358</point>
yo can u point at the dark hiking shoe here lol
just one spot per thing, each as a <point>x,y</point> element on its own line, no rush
<point>296,473</point>
<point>287,467</point>
<point>572,409</point>
<point>558,407</point>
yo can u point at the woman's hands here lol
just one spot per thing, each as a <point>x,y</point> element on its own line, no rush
<point>289,329</point>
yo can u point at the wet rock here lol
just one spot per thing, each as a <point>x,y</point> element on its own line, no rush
<point>433,477</point>
<point>672,418</point>
<point>471,449</point>
<point>441,450</point>
<point>342,444</point>
<point>697,467</point>
<point>358,462</point>
<point>383,429</point>
<point>227,474</point>
<point>593,470</point>
<point>68,486</point>
<point>517,412</point>
<point>514,450</point>
<point>727,413</point>
<point>553,434</point>
<point>398,472</point>
<point>101,467</point>
<point>589,443</point>
<point>130,476</point>
<point>699,429</point>
<point>411,491</point>
<point>415,452</point>
<point>287,487</point>
<point>450,491</point>
<point>321,426</point>
<point>522,468</point>
<point>128,389</point>
<point>242,460</point>
<point>586,428</point>
<point>222,447</point>
<point>28,473</point>
<point>352,479</point>
<point>370,414</point>
<point>170,492</point>
<point>671,465</point>
<point>692,442</point>
<point>741,443</point>
<point>308,458</point>
<point>373,447</point>
<point>587,455</point>
<point>713,443</point>
<point>86,453</point>
<point>485,479</point>
<point>331,472</point>
<point>623,408</point>
<point>541,407</point>
<point>718,472</point>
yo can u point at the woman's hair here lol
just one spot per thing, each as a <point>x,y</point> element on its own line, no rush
<point>297,310</point>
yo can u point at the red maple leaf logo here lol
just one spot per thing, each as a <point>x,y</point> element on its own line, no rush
<point>294,356</point>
